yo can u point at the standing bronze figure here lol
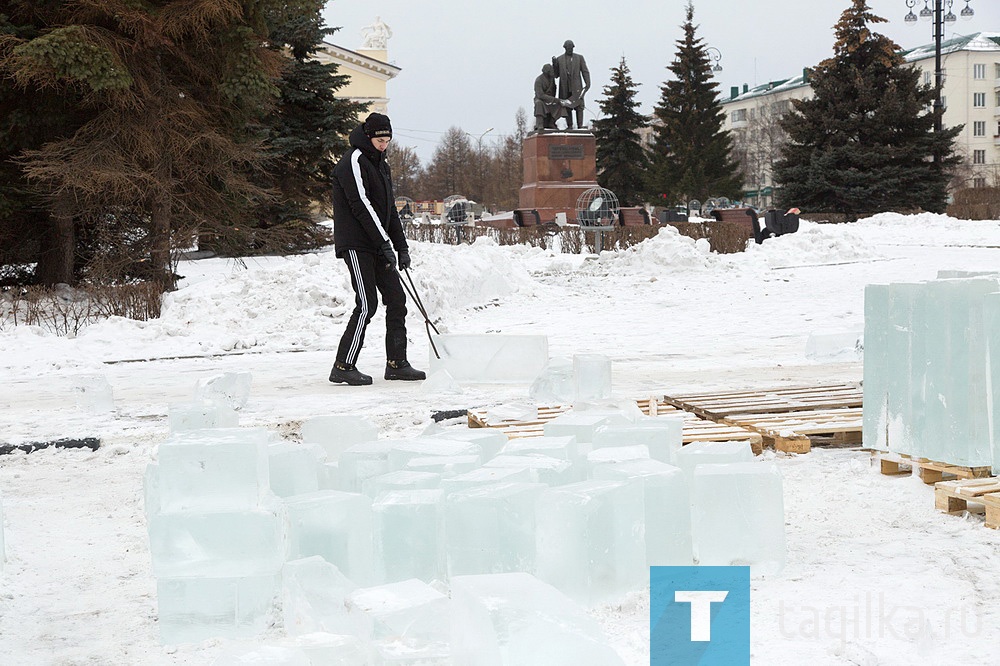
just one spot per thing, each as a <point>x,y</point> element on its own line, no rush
<point>574,82</point>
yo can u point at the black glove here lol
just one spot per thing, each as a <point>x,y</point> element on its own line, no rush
<point>390,256</point>
<point>404,259</point>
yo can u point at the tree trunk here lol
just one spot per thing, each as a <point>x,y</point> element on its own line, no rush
<point>159,253</point>
<point>58,245</point>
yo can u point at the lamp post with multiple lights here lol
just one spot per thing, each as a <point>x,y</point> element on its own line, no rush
<point>939,18</point>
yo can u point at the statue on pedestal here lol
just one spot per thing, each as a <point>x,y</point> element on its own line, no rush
<point>376,36</point>
<point>548,107</point>
<point>574,82</point>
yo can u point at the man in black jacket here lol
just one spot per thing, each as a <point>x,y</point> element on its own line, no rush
<point>367,233</point>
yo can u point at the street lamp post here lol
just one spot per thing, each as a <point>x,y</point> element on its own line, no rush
<point>939,18</point>
<point>715,55</point>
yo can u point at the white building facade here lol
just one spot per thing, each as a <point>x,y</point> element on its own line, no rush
<point>970,96</point>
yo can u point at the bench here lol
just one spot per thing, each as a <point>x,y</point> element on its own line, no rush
<point>633,216</point>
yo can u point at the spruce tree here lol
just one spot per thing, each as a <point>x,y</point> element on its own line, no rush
<point>691,152</point>
<point>171,87</point>
<point>864,142</point>
<point>305,133</point>
<point>622,163</point>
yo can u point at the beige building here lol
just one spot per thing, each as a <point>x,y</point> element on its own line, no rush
<point>970,96</point>
<point>368,67</point>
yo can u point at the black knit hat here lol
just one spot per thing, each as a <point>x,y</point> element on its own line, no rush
<point>377,125</point>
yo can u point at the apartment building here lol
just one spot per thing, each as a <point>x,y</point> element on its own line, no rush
<point>970,96</point>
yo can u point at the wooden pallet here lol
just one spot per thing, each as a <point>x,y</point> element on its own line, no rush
<point>798,432</point>
<point>930,471</point>
<point>954,497</point>
<point>695,429</point>
<point>726,404</point>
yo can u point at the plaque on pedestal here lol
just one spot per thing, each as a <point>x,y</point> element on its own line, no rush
<point>559,166</point>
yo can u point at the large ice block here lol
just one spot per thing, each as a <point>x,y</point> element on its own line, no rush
<point>591,377</point>
<point>991,324</point>
<point>562,447</point>
<point>409,535</point>
<point>401,480</point>
<point>293,468</point>
<point>335,525</point>
<point>491,529</point>
<point>667,508</point>
<point>200,415</point>
<point>844,345</point>
<point>336,432</point>
<point>213,470</point>
<point>229,388</point>
<point>444,465</point>
<point>314,599</point>
<point>94,394</point>
<point>583,424</point>
<point>738,516</point>
<point>491,358</point>
<point>410,611</point>
<point>875,416</point>
<point>956,426</point>
<point>220,543</point>
<point>555,385</point>
<point>489,440</point>
<point>615,454</point>
<point>195,608</point>
<point>541,468</point>
<point>590,539</point>
<point>403,450</point>
<point>484,476</point>
<point>705,453</point>
<point>363,461</point>
<point>906,378</point>
<point>514,618</point>
<point>663,435</point>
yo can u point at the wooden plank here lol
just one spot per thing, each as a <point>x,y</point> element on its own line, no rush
<point>953,497</point>
<point>713,405</point>
<point>930,471</point>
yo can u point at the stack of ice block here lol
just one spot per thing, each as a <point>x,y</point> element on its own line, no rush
<point>313,595</point>
<point>592,377</point>
<point>409,535</point>
<point>667,508</point>
<point>229,388</point>
<point>491,358</point>
<point>337,432</point>
<point>293,468</point>
<point>216,543</point>
<point>335,525</point>
<point>200,415</point>
<point>703,453</point>
<point>514,618</point>
<point>408,618</point>
<point>491,529</point>
<point>662,435</point>
<point>927,388</point>
<point>737,516</point>
<point>590,542</point>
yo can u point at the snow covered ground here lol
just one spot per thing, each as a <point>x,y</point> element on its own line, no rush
<point>875,575</point>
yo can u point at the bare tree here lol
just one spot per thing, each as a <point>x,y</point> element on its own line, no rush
<point>758,145</point>
<point>406,170</point>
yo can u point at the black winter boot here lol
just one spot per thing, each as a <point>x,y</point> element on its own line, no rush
<point>403,370</point>
<point>343,373</point>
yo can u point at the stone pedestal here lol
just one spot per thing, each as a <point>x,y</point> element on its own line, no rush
<point>559,166</point>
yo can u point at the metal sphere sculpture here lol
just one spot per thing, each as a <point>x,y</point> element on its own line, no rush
<point>597,208</point>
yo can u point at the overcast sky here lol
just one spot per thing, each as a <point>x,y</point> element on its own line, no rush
<point>471,65</point>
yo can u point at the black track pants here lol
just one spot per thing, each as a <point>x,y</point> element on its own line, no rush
<point>370,273</point>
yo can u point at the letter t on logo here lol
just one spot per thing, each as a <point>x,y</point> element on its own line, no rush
<point>701,610</point>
